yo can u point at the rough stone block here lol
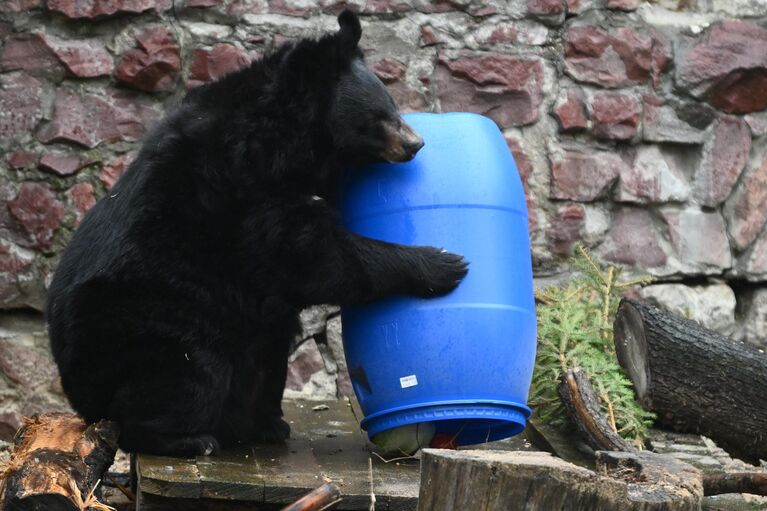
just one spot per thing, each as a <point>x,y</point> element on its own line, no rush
<point>570,111</point>
<point>654,177</point>
<point>615,59</point>
<point>698,238</point>
<point>675,121</point>
<point>746,209</point>
<point>507,88</point>
<point>208,65</point>
<point>583,175</point>
<point>724,156</point>
<point>727,65</point>
<point>615,116</point>
<point>21,107</point>
<point>713,306</point>
<point>38,212</point>
<point>153,65</point>
<point>634,240</point>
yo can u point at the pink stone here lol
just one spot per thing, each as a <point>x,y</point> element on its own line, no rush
<point>724,156</point>
<point>570,112</point>
<point>746,209</point>
<point>551,12</point>
<point>546,7</point>
<point>12,259</point>
<point>389,70</point>
<point>634,240</point>
<point>99,8</point>
<point>653,177</point>
<point>565,228</point>
<point>22,159</point>
<point>50,56</point>
<point>19,5</point>
<point>82,58</point>
<point>30,53</point>
<point>208,65</point>
<point>407,98</point>
<point>298,8</point>
<point>525,168</point>
<point>26,366</point>
<point>344,384</point>
<point>387,7</point>
<point>60,164</point>
<point>507,88</point>
<point>202,3</point>
<point>584,176</point>
<point>429,37</point>
<point>86,120</point>
<point>112,171</point>
<point>153,65</point>
<point>728,66</point>
<point>81,197</point>
<point>615,116</point>
<point>21,106</point>
<point>623,5</point>
<point>39,214</point>
<point>615,59</point>
<point>132,116</point>
<point>698,237</point>
<point>89,120</point>
<point>306,361</point>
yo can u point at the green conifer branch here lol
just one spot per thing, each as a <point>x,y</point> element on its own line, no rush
<point>575,330</point>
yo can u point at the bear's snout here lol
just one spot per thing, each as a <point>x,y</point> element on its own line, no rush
<point>402,142</point>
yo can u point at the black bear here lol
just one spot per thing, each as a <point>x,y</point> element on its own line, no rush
<point>173,307</point>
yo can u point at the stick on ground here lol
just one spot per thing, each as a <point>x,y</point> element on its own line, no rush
<point>324,497</point>
<point>582,408</point>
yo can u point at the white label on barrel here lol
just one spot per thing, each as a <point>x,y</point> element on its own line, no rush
<point>408,381</point>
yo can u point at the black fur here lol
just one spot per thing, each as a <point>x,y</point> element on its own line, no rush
<point>173,307</point>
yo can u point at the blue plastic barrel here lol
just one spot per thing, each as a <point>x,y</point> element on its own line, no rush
<point>464,360</point>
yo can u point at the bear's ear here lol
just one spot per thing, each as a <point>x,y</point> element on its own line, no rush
<point>351,30</point>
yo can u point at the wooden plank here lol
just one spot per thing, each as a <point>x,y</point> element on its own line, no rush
<point>232,476</point>
<point>168,477</point>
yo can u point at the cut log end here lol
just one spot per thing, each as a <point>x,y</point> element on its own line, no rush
<point>632,355</point>
<point>695,380</point>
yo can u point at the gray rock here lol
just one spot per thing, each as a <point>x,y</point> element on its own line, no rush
<point>712,306</point>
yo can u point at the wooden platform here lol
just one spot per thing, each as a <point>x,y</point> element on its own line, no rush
<point>326,444</point>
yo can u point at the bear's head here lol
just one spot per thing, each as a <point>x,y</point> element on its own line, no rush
<point>366,124</point>
<point>357,113</point>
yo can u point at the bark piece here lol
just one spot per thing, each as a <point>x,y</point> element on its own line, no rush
<point>57,463</point>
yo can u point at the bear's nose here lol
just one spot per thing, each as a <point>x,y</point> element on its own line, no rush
<point>412,142</point>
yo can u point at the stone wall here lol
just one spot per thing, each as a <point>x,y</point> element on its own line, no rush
<point>639,129</point>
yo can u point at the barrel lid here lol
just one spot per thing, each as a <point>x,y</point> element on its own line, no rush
<point>465,162</point>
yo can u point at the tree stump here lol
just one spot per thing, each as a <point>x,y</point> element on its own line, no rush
<point>57,462</point>
<point>535,481</point>
<point>696,380</point>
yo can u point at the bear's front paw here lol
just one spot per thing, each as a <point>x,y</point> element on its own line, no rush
<point>439,272</point>
<point>272,431</point>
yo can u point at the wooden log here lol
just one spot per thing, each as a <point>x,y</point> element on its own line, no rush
<point>57,463</point>
<point>582,407</point>
<point>696,380</point>
<point>509,480</point>
<point>324,497</point>
<point>735,482</point>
